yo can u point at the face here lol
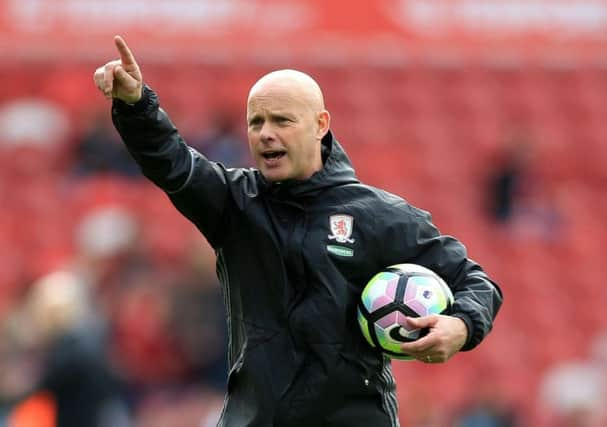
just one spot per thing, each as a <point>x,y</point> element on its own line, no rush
<point>284,133</point>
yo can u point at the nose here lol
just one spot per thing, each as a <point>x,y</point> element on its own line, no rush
<point>266,134</point>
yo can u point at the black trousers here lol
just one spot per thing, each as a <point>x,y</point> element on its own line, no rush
<point>350,400</point>
<point>361,413</point>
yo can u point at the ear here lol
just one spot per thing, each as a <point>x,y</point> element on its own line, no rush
<point>324,120</point>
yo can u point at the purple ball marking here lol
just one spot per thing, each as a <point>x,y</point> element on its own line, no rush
<point>379,302</point>
<point>418,307</point>
<point>410,291</point>
<point>388,320</point>
<point>391,287</point>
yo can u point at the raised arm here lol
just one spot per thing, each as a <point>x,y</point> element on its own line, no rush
<point>198,187</point>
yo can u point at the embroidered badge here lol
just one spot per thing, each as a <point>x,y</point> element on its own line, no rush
<point>341,228</point>
<point>340,250</point>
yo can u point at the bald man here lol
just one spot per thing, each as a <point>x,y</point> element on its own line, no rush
<point>296,239</point>
<point>287,120</point>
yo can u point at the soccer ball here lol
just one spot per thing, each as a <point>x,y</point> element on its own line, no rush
<point>398,291</point>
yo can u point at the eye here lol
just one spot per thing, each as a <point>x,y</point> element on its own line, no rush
<point>255,122</point>
<point>282,121</point>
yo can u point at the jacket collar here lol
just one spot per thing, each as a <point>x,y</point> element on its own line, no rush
<point>337,170</point>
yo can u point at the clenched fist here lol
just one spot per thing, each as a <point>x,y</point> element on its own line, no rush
<point>120,78</point>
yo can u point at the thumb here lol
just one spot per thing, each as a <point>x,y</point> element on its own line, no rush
<point>422,322</point>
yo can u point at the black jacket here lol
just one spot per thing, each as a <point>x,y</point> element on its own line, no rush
<point>83,386</point>
<point>296,352</point>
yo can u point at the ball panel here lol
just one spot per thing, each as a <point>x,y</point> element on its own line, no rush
<point>388,320</point>
<point>380,291</point>
<point>394,328</point>
<point>418,307</point>
<point>387,343</point>
<point>427,297</point>
<point>364,327</point>
<point>448,295</point>
<point>410,290</point>
<point>380,301</point>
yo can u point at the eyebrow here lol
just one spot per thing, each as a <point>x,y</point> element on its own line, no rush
<point>256,118</point>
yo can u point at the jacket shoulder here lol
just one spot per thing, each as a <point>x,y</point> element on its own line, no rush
<point>388,201</point>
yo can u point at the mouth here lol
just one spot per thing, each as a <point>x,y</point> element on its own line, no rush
<point>273,155</point>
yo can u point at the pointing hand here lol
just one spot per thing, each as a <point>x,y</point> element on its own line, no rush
<point>120,78</point>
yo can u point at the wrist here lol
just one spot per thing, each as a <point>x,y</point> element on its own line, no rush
<point>465,319</point>
<point>135,98</point>
<point>147,98</point>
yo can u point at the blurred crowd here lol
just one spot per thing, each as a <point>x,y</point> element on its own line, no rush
<point>105,333</point>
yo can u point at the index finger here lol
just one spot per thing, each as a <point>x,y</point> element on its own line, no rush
<point>126,56</point>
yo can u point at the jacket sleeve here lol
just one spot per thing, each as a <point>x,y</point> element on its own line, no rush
<point>166,160</point>
<point>413,238</point>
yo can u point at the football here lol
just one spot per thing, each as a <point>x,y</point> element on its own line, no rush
<point>392,295</point>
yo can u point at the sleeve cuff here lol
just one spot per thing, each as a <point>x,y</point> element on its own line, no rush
<point>147,101</point>
<point>469,326</point>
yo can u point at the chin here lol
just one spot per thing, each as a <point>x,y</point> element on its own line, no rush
<point>274,177</point>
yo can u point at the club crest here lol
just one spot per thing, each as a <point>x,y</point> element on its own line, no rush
<point>341,228</point>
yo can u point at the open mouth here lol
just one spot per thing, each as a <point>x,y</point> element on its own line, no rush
<point>273,155</point>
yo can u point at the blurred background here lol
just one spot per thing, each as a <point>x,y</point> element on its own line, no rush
<point>492,114</point>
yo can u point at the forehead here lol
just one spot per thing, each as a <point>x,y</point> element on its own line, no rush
<point>277,99</point>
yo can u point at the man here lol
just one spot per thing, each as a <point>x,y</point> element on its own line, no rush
<point>76,385</point>
<point>296,353</point>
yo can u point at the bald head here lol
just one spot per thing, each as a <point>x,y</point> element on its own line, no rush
<point>286,120</point>
<point>291,82</point>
